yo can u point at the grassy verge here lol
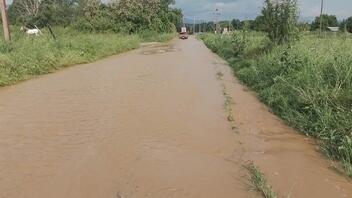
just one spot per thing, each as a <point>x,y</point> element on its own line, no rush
<point>259,182</point>
<point>308,84</point>
<point>26,57</point>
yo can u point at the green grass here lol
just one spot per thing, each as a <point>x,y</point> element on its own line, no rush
<point>259,183</point>
<point>308,84</point>
<point>24,57</point>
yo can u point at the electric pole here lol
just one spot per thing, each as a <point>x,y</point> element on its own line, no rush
<point>5,23</point>
<point>229,25</point>
<point>321,16</point>
<point>194,26</point>
<point>217,14</point>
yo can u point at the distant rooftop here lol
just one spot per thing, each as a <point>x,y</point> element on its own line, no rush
<point>334,29</point>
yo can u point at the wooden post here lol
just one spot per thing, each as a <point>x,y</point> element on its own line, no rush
<point>51,31</point>
<point>321,16</point>
<point>5,23</point>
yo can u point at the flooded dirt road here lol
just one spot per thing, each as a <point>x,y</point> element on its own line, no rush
<point>150,123</point>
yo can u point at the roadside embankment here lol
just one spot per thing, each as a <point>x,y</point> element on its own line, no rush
<point>308,84</point>
<point>25,57</point>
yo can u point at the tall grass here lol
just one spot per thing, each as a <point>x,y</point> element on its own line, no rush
<point>26,57</point>
<point>308,84</point>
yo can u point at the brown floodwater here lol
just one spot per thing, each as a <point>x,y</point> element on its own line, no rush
<point>149,124</point>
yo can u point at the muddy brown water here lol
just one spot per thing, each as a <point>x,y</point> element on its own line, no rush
<point>150,124</point>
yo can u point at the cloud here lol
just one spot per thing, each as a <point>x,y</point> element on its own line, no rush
<point>204,9</point>
<point>249,9</point>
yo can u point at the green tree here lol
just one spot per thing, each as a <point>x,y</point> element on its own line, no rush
<point>347,23</point>
<point>328,21</point>
<point>280,19</point>
<point>175,17</point>
<point>259,24</point>
<point>93,15</point>
<point>22,11</point>
<point>40,13</point>
<point>236,23</point>
<point>148,14</point>
<point>57,12</point>
<point>225,24</point>
<point>247,24</point>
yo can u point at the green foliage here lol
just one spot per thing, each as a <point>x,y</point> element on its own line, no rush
<point>129,16</point>
<point>328,21</point>
<point>236,24</point>
<point>149,36</point>
<point>347,23</point>
<point>259,24</point>
<point>40,13</point>
<point>124,16</point>
<point>308,84</point>
<point>279,19</point>
<point>26,57</point>
<point>228,45</point>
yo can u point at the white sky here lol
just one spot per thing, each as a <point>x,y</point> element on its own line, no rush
<point>248,9</point>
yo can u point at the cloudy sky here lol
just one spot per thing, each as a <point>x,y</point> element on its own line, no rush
<point>248,9</point>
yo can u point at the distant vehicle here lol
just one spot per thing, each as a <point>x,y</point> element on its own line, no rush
<point>183,33</point>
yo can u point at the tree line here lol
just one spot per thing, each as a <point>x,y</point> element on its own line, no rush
<point>260,24</point>
<point>126,16</point>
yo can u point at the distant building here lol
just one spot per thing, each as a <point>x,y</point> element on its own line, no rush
<point>334,29</point>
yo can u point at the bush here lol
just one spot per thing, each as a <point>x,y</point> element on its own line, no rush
<point>280,20</point>
<point>308,84</point>
<point>228,46</point>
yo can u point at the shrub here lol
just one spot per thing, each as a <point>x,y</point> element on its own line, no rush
<point>308,84</point>
<point>281,20</point>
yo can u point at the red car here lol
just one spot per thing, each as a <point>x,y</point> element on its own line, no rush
<point>183,35</point>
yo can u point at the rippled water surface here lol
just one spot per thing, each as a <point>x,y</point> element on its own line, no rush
<point>148,124</point>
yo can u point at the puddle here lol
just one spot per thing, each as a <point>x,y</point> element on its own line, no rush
<point>159,49</point>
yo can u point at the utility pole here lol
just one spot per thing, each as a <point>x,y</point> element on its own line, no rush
<point>321,16</point>
<point>202,26</point>
<point>229,25</point>
<point>217,13</point>
<point>5,23</point>
<point>194,26</point>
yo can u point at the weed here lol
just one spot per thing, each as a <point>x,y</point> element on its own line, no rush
<point>308,84</point>
<point>219,75</point>
<point>26,57</point>
<point>259,183</point>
